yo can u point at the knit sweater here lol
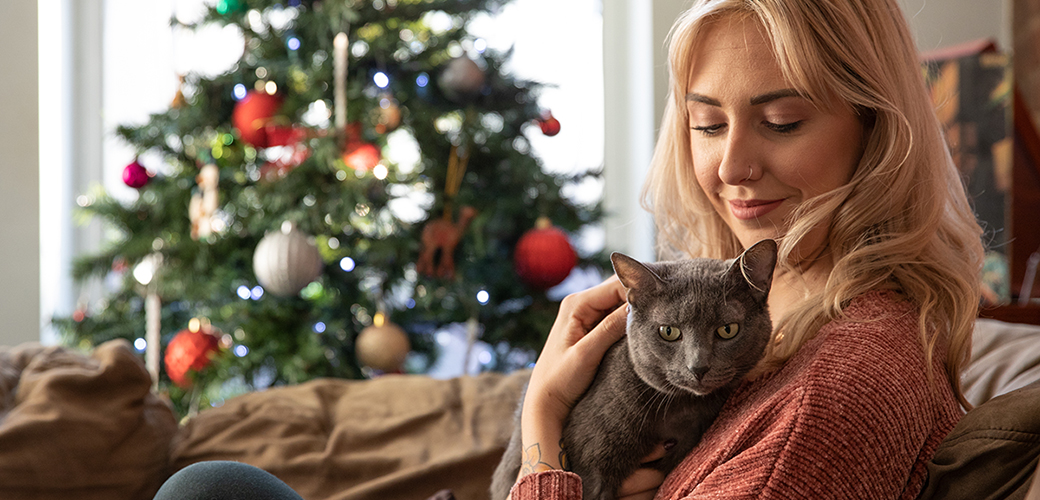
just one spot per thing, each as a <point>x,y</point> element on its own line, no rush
<point>851,415</point>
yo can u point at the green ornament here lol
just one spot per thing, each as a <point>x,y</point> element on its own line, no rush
<point>225,7</point>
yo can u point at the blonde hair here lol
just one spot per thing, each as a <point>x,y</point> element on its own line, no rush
<point>902,222</point>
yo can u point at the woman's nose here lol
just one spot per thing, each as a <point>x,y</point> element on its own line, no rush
<point>738,158</point>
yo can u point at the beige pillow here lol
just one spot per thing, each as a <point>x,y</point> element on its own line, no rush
<point>396,436</point>
<point>73,426</point>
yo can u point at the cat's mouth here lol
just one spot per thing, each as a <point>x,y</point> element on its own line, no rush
<point>698,386</point>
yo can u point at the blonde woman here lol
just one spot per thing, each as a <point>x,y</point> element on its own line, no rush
<point>805,121</point>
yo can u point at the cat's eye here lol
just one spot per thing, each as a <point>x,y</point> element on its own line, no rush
<point>729,331</point>
<point>669,333</point>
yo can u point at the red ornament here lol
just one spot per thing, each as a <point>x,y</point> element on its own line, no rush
<point>362,156</point>
<point>358,154</point>
<point>280,135</point>
<point>135,175</point>
<point>190,351</point>
<point>544,256</point>
<point>252,116</point>
<point>549,124</point>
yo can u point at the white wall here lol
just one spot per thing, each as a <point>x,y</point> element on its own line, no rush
<point>19,175</point>
<point>942,23</point>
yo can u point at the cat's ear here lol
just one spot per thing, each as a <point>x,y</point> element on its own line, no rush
<point>634,275</point>
<point>755,267</point>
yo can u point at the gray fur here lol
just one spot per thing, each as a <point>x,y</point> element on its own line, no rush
<point>647,390</point>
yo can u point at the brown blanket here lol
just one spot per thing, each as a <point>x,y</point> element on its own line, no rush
<point>73,426</point>
<point>394,437</point>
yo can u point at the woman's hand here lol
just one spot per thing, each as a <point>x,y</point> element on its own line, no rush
<point>588,323</point>
<point>644,482</point>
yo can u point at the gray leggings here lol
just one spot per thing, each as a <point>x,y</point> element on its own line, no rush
<point>220,480</point>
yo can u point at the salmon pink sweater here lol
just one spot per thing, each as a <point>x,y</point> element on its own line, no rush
<point>851,415</point>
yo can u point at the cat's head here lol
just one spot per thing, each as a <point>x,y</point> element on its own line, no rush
<point>701,324</point>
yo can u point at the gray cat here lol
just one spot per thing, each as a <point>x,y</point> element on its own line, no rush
<point>695,328</point>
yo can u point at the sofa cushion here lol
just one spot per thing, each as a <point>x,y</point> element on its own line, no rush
<point>396,436</point>
<point>992,453</point>
<point>73,426</point>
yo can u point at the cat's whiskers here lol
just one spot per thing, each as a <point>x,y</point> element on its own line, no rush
<point>648,405</point>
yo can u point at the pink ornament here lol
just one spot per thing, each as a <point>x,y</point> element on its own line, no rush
<point>135,175</point>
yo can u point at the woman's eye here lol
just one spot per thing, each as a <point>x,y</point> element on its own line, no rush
<point>708,130</point>
<point>727,332</point>
<point>669,333</point>
<point>783,128</point>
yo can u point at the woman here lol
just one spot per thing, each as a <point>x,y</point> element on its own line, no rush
<point>805,121</point>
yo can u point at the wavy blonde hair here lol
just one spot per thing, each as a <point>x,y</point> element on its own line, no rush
<point>902,222</point>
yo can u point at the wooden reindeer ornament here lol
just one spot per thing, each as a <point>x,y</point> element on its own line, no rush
<point>441,236</point>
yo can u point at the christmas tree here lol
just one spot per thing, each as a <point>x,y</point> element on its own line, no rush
<point>286,239</point>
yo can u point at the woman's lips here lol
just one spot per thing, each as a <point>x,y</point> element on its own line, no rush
<point>752,209</point>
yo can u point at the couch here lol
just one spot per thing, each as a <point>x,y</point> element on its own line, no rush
<point>87,426</point>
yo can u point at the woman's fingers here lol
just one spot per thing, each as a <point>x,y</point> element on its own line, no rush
<point>643,483</point>
<point>608,331</point>
<point>659,451</point>
<point>590,306</point>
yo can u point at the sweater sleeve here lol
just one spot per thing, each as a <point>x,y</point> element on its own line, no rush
<point>548,485</point>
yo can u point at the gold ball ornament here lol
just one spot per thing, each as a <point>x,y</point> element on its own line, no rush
<point>387,117</point>
<point>286,261</point>
<point>383,347</point>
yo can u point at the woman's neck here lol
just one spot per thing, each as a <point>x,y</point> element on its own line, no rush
<point>791,286</point>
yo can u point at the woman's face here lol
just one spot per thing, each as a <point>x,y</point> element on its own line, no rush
<point>759,148</point>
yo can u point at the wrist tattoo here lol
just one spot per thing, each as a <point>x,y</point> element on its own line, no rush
<point>564,463</point>
<point>533,461</point>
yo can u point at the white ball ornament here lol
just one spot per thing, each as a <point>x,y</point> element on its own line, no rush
<point>286,261</point>
<point>461,80</point>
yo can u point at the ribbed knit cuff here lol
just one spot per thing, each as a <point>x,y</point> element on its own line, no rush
<point>546,485</point>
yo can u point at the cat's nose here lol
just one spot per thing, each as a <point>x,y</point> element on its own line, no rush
<point>699,371</point>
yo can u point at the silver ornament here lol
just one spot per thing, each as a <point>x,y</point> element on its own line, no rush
<point>286,261</point>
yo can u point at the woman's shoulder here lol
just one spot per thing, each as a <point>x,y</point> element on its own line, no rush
<point>854,403</point>
<point>875,326</point>
<point>873,354</point>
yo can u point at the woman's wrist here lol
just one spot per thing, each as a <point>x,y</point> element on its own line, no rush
<point>541,437</point>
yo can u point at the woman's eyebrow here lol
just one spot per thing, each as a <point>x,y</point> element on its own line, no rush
<point>755,101</point>
<point>693,96</point>
<point>774,95</point>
